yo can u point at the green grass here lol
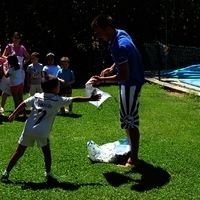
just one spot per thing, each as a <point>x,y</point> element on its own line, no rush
<point>169,150</point>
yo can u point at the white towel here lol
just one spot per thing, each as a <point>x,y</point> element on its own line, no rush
<point>89,90</point>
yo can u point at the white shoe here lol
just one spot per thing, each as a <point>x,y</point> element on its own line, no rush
<point>1,110</point>
<point>71,113</point>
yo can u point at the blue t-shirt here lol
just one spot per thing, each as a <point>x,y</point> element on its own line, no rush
<point>65,74</point>
<point>51,69</point>
<point>124,50</point>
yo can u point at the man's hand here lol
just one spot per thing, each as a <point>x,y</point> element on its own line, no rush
<point>95,80</point>
<point>108,71</point>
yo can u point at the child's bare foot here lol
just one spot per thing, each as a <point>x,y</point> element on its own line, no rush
<point>129,163</point>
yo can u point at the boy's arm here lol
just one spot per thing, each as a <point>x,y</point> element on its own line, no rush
<point>96,97</point>
<point>44,74</point>
<point>5,71</point>
<point>69,82</point>
<point>72,79</point>
<point>61,80</point>
<point>16,111</point>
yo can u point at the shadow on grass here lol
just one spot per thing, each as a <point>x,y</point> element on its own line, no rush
<point>151,177</point>
<point>3,119</point>
<point>71,115</point>
<point>8,112</point>
<point>41,186</point>
<point>21,119</point>
<point>45,186</point>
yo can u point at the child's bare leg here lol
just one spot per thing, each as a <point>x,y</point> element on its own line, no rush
<point>15,157</point>
<point>70,107</point>
<point>47,157</point>
<point>3,99</point>
<point>62,109</point>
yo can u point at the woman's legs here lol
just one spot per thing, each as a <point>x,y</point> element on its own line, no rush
<point>20,97</point>
<point>17,93</point>
<point>15,98</point>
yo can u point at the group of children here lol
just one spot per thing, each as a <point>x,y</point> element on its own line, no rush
<point>35,72</point>
<point>50,90</point>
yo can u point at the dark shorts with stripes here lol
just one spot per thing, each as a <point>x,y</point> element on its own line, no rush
<point>129,105</point>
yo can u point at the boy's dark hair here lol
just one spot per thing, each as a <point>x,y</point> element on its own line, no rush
<point>49,83</point>
<point>13,61</point>
<point>36,54</point>
<point>103,21</point>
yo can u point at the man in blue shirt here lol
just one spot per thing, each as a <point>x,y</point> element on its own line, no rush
<point>130,77</point>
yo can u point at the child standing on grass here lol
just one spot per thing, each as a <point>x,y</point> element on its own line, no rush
<point>39,123</point>
<point>51,68</point>
<point>68,76</point>
<point>16,79</point>
<point>34,74</point>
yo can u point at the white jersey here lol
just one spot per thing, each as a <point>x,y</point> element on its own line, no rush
<point>45,107</point>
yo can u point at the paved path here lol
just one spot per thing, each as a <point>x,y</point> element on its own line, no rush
<point>173,84</point>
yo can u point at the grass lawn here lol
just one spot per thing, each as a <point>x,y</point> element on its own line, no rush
<point>169,152</point>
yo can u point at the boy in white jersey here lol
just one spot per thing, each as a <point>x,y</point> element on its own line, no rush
<point>45,107</point>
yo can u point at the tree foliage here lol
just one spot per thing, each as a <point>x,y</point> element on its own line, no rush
<point>63,27</point>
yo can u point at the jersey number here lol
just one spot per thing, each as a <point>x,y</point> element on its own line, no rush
<point>42,113</point>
